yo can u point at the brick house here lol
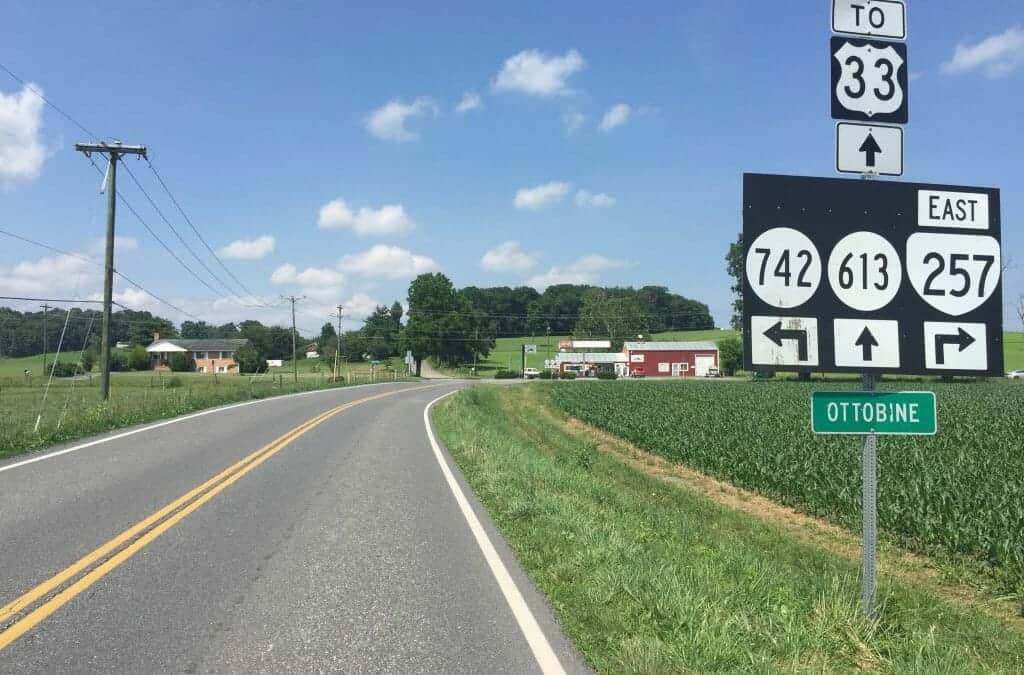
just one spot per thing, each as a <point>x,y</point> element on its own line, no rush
<point>216,355</point>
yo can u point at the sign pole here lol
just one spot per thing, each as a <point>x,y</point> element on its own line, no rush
<point>869,490</point>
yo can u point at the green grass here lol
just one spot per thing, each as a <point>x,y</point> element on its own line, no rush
<point>959,492</point>
<point>647,577</point>
<point>73,409</point>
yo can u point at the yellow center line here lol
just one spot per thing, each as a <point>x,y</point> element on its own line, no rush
<point>191,501</point>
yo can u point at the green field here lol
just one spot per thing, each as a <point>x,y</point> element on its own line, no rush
<point>650,577</point>
<point>959,491</point>
<point>72,408</point>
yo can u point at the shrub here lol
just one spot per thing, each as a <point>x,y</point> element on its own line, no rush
<point>118,361</point>
<point>88,361</point>
<point>181,363</point>
<point>506,374</point>
<point>64,369</point>
<point>138,358</point>
<point>607,375</point>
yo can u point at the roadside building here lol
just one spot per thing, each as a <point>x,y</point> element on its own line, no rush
<point>671,359</point>
<point>210,355</point>
<point>589,364</point>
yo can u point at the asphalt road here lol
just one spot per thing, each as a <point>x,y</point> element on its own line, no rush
<point>340,549</point>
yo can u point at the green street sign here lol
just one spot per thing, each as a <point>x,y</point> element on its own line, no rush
<point>892,413</point>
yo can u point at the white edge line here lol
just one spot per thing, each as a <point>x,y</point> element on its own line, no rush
<point>542,651</point>
<point>175,420</point>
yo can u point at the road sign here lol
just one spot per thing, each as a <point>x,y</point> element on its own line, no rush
<point>869,149</point>
<point>866,276</point>
<point>872,18</point>
<point>869,81</point>
<point>891,413</point>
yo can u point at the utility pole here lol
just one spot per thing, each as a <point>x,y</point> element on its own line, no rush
<point>114,151</point>
<point>295,360</point>
<point>337,351</point>
<point>45,308</point>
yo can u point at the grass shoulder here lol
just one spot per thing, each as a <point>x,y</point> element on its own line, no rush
<point>651,575</point>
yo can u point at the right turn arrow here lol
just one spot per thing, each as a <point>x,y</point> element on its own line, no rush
<point>962,339</point>
<point>870,148</point>
<point>867,342</point>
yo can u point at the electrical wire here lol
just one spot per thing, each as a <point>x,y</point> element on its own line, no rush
<point>100,265</point>
<point>188,220</point>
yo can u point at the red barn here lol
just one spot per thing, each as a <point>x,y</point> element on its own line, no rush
<point>671,359</point>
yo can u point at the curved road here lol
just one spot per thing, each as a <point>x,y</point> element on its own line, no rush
<point>313,533</point>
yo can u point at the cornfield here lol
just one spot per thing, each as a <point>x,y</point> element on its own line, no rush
<point>961,491</point>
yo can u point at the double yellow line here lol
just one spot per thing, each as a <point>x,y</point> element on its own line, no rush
<point>97,564</point>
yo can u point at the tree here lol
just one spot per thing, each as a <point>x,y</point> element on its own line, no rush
<point>605,315</point>
<point>396,313</point>
<point>730,355</point>
<point>138,358</point>
<point>195,330</point>
<point>249,360</point>
<point>327,333</point>
<point>181,363</point>
<point>442,323</point>
<point>735,267</point>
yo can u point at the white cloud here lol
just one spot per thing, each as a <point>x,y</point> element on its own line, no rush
<point>21,151</point>
<point>573,120</point>
<point>388,121</point>
<point>249,249</point>
<point>588,200</point>
<point>534,72</point>
<point>541,195</point>
<point>470,101</point>
<point>387,262</point>
<point>615,116</point>
<point>388,219</point>
<point>585,270</point>
<point>360,306</point>
<point>60,275</point>
<point>996,55</point>
<point>288,274</point>
<point>508,257</point>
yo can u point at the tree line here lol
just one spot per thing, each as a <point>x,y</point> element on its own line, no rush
<point>442,322</point>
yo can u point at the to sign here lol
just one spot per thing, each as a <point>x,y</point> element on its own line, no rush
<point>873,18</point>
<point>869,80</point>
<point>865,276</point>
<point>873,412</point>
<point>869,149</point>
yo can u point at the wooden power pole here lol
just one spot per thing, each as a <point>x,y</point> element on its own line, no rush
<point>337,350</point>
<point>295,359</point>
<point>114,151</point>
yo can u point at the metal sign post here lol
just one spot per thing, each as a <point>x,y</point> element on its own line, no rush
<point>869,509</point>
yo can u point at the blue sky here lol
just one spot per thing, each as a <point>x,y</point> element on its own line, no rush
<point>608,142</point>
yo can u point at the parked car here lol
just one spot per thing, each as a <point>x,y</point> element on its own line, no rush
<point>530,373</point>
<point>1016,374</point>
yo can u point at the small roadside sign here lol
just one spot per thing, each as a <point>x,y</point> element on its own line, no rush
<point>891,413</point>
<point>871,18</point>
<point>869,149</point>
<point>869,81</point>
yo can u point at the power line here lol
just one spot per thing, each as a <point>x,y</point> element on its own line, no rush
<point>157,237</point>
<point>98,264</point>
<point>196,230</point>
<point>173,229</point>
<point>48,102</point>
